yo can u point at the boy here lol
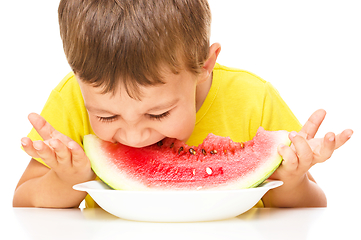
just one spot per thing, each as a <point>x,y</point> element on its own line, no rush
<point>142,71</point>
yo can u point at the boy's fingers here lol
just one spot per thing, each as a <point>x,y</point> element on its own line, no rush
<point>63,138</point>
<point>290,160</point>
<point>79,158</point>
<point>44,129</point>
<point>327,148</point>
<point>28,147</point>
<point>45,153</point>
<point>343,137</point>
<point>63,154</point>
<point>310,128</point>
<point>303,151</point>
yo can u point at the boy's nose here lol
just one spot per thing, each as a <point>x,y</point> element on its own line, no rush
<point>134,137</point>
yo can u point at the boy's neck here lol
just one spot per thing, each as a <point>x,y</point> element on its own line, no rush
<point>202,91</point>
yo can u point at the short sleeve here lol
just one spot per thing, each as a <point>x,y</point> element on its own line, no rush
<point>65,111</point>
<point>276,114</point>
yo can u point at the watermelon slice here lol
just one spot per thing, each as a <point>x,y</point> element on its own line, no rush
<point>217,163</point>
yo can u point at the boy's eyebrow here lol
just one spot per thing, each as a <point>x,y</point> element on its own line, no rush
<point>164,106</point>
<point>97,110</point>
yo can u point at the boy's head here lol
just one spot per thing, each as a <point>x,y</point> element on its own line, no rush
<point>128,43</point>
<point>142,65</point>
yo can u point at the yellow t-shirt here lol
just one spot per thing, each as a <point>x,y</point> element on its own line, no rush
<point>236,105</point>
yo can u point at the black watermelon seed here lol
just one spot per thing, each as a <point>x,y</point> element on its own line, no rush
<point>214,152</point>
<point>204,152</point>
<point>180,149</point>
<point>160,143</point>
<point>192,151</point>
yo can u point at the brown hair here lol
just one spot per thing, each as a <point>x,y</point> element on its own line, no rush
<point>108,42</point>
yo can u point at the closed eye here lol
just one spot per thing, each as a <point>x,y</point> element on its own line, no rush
<point>160,116</point>
<point>108,119</point>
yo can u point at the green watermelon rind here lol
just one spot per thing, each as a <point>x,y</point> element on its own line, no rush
<point>89,142</point>
<point>268,174</point>
<point>287,142</point>
<point>112,178</point>
<point>268,170</point>
<point>104,169</point>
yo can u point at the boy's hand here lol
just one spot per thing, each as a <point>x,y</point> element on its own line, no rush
<point>306,150</point>
<point>63,155</point>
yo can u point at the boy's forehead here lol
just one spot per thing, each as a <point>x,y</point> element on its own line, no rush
<point>172,82</point>
<point>164,94</point>
<point>154,99</point>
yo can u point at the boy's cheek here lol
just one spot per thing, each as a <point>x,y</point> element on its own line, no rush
<point>182,127</point>
<point>101,130</point>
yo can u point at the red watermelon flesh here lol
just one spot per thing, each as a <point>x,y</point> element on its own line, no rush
<point>217,163</point>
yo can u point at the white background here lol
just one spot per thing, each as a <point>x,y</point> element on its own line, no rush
<point>309,50</point>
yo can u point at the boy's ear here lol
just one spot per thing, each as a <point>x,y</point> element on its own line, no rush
<point>208,66</point>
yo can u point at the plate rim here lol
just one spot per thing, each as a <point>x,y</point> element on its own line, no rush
<point>267,184</point>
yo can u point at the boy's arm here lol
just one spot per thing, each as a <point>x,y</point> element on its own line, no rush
<point>299,188</point>
<point>306,194</point>
<point>40,186</point>
<point>43,187</point>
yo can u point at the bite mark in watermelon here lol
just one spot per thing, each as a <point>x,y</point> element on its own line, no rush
<point>218,163</point>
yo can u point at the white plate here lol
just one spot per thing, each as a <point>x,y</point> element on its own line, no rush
<point>175,206</point>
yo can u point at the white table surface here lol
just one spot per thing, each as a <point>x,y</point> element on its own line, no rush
<point>267,223</point>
